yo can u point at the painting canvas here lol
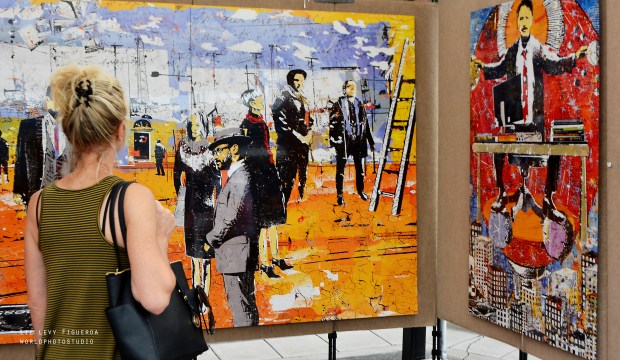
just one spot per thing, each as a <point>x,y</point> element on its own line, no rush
<point>533,255</point>
<point>328,97</point>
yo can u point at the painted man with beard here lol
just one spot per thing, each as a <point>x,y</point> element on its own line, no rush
<point>234,237</point>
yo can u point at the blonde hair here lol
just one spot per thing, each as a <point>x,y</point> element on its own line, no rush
<point>90,103</point>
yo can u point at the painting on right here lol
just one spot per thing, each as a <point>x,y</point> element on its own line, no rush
<point>534,112</point>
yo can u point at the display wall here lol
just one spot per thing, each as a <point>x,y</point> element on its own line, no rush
<point>426,110</point>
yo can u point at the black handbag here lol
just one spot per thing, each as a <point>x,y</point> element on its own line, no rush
<point>176,333</point>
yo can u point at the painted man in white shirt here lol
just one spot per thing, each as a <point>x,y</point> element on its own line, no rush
<point>529,58</point>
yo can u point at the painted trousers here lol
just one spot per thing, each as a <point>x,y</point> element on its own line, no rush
<point>291,162</point>
<point>241,297</point>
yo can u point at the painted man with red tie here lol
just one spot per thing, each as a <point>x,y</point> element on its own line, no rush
<point>529,58</point>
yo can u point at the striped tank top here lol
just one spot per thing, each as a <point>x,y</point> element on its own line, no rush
<point>76,257</point>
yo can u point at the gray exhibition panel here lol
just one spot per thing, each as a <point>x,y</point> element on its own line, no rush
<point>426,36</point>
<point>454,185</point>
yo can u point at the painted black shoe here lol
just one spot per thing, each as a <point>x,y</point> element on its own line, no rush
<point>340,200</point>
<point>281,264</point>
<point>363,196</point>
<point>269,271</point>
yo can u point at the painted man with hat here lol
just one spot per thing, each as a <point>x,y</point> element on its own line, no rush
<point>234,237</point>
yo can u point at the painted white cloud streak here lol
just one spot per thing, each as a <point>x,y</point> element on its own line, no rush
<point>303,51</point>
<point>152,24</point>
<point>359,23</point>
<point>157,41</point>
<point>245,14</point>
<point>360,42</point>
<point>340,28</point>
<point>383,65</point>
<point>373,51</point>
<point>249,46</point>
<point>111,25</point>
<point>208,47</point>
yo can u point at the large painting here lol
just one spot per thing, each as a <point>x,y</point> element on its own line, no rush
<point>328,99</point>
<point>535,80</point>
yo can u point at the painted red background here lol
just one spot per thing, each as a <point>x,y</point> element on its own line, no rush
<point>572,95</point>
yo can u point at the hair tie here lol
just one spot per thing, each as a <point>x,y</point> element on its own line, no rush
<point>83,93</point>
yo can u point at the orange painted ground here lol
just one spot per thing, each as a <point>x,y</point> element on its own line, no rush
<point>348,262</point>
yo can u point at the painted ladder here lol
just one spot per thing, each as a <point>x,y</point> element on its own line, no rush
<point>399,102</point>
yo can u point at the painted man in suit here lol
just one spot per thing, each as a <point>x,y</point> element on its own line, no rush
<point>350,135</point>
<point>293,125</point>
<point>234,237</point>
<point>160,155</point>
<point>528,58</point>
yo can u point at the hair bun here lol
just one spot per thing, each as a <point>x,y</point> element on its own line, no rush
<point>90,103</point>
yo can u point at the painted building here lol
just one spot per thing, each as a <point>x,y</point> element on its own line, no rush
<point>497,287</point>
<point>482,256</point>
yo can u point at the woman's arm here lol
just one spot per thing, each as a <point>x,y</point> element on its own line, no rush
<point>149,226</point>
<point>36,282</point>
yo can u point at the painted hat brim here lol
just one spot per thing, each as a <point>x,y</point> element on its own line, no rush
<point>235,139</point>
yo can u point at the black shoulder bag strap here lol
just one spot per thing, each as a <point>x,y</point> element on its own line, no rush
<point>36,211</point>
<point>121,210</point>
<point>109,211</point>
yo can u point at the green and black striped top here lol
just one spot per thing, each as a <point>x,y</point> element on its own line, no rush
<point>77,258</point>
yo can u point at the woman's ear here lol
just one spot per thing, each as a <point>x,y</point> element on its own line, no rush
<point>120,134</point>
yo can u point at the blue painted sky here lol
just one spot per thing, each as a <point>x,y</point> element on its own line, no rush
<point>212,30</point>
<point>181,42</point>
<point>476,23</point>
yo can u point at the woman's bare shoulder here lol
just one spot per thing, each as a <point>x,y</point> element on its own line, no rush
<point>138,194</point>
